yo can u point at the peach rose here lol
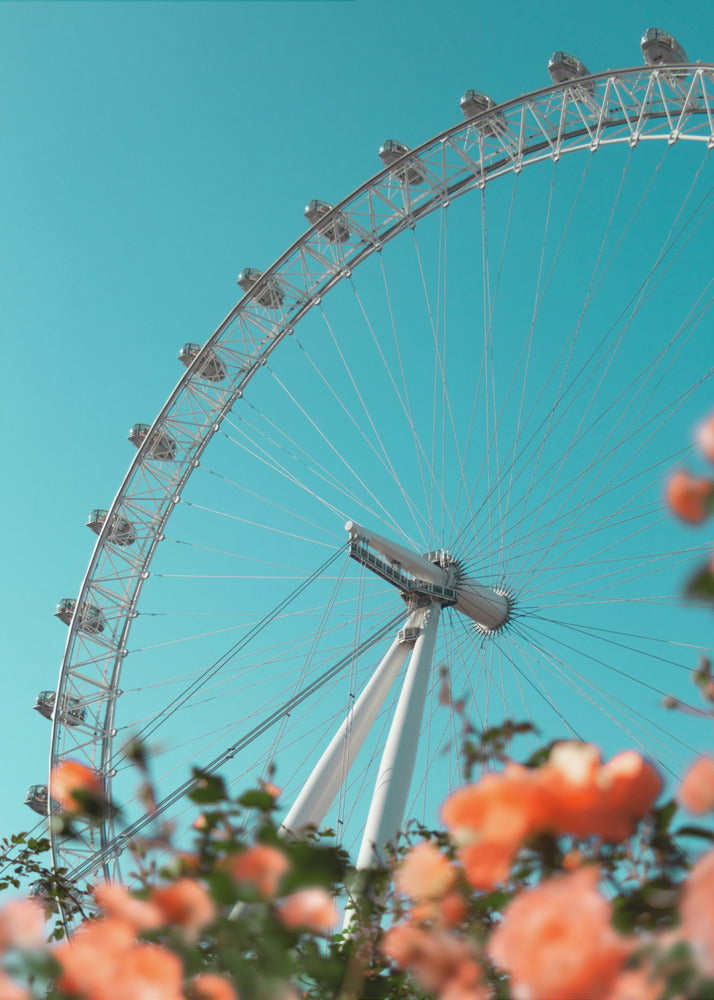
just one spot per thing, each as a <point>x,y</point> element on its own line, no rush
<point>70,777</point>
<point>501,807</point>
<point>438,961</point>
<point>688,497</point>
<point>556,943</point>
<point>705,437</point>
<point>449,911</point>
<point>22,925</point>
<point>9,990</point>
<point>696,909</point>
<point>424,872</point>
<point>489,821</point>
<point>261,866</point>
<point>696,793</point>
<point>209,986</point>
<point>147,972</point>
<point>90,958</point>
<point>311,909</point>
<point>116,901</point>
<point>636,984</point>
<point>589,798</point>
<point>488,864</point>
<point>185,904</point>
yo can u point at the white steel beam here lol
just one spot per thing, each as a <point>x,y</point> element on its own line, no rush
<point>331,770</point>
<point>386,811</point>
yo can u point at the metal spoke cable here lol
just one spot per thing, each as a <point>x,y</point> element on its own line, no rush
<point>301,456</point>
<point>557,666</point>
<point>418,449</point>
<point>574,335</point>
<point>462,481</point>
<point>366,410</point>
<point>226,657</point>
<point>439,374</point>
<point>268,502</point>
<point>336,451</point>
<point>645,290</point>
<point>602,459</point>
<point>538,434</point>
<point>177,794</point>
<point>350,416</point>
<point>655,472</point>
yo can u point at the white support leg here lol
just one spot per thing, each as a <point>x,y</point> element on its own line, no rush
<point>386,812</point>
<point>330,772</point>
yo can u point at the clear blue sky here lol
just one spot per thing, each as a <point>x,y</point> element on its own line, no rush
<point>149,151</point>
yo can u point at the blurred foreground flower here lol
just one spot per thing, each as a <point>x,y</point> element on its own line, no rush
<point>705,437</point>
<point>572,793</point>
<point>261,866</point>
<point>696,793</point>
<point>208,986</point>
<point>311,909</point>
<point>77,789</point>
<point>690,498</point>
<point>556,941</point>
<point>697,911</point>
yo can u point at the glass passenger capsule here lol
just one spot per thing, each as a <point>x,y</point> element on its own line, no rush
<point>564,68</point>
<point>475,103</point>
<point>336,230</point>
<point>72,714</point>
<point>269,294</point>
<point>160,446</point>
<point>120,532</point>
<point>211,366</point>
<point>90,620</point>
<point>661,49</point>
<point>37,799</point>
<point>47,895</point>
<point>391,151</point>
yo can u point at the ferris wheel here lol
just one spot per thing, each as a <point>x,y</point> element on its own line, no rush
<point>415,477</point>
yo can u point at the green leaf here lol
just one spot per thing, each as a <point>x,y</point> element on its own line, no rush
<point>208,788</point>
<point>663,816</point>
<point>541,755</point>
<point>695,831</point>
<point>257,799</point>
<point>700,586</point>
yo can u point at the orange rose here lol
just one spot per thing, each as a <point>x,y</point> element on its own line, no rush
<point>490,820</point>
<point>186,904</point>
<point>22,925</point>
<point>705,437</point>
<point>556,943</point>
<point>589,798</point>
<point>450,911</point>
<point>487,864</point>
<point>116,901</point>
<point>208,986</point>
<point>696,793</point>
<point>311,909</point>
<point>261,866</point>
<point>697,912</point>
<point>689,498</point>
<point>637,984</point>
<point>503,807</point>
<point>438,961</point>
<point>90,959</point>
<point>147,972</point>
<point>9,990</point>
<point>68,778</point>
<point>424,872</point>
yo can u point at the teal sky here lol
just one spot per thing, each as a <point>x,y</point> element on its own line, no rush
<point>148,152</point>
